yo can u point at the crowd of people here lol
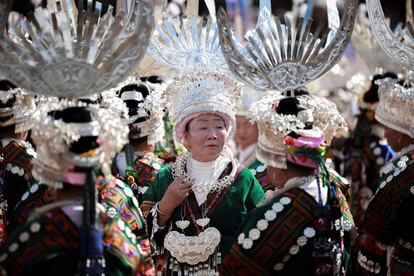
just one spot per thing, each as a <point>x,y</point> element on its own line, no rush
<point>218,160</point>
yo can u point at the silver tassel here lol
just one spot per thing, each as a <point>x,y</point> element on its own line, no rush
<point>170,264</point>
<point>175,267</point>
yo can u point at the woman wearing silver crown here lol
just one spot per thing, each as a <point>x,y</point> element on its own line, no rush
<point>196,206</point>
<point>300,229</point>
<point>80,222</point>
<point>137,165</point>
<point>387,223</point>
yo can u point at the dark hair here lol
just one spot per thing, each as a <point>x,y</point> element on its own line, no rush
<point>135,87</point>
<point>6,85</point>
<point>91,100</point>
<point>371,95</point>
<point>291,106</point>
<point>78,115</point>
<point>7,131</point>
<point>152,79</point>
<point>139,141</point>
<point>404,84</point>
<point>133,106</point>
<point>301,91</point>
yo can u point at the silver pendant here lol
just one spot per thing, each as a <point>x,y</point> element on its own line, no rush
<point>192,249</point>
<point>182,224</point>
<point>203,222</point>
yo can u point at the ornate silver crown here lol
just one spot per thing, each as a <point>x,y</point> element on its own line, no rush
<point>54,137</point>
<point>22,110</point>
<point>204,92</point>
<point>395,108</point>
<point>286,56</point>
<point>396,101</point>
<point>151,108</point>
<point>189,44</point>
<point>273,127</point>
<point>367,46</point>
<point>69,52</point>
<point>399,45</point>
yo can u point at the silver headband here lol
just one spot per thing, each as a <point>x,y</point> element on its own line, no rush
<point>85,129</point>
<point>132,95</point>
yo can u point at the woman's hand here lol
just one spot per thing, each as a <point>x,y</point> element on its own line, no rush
<point>176,193</point>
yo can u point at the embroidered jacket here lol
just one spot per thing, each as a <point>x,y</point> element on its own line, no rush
<point>16,162</point>
<point>290,235</point>
<point>48,244</point>
<point>259,170</point>
<point>387,223</point>
<point>140,176</point>
<point>114,195</point>
<point>227,209</point>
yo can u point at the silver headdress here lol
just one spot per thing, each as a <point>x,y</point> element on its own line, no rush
<point>274,127</point>
<point>202,93</point>
<point>69,52</point>
<point>21,113</point>
<point>286,56</point>
<point>397,45</point>
<point>366,45</point>
<point>396,101</point>
<point>114,104</point>
<point>151,109</point>
<point>395,108</point>
<point>248,96</point>
<point>54,137</point>
<point>189,44</point>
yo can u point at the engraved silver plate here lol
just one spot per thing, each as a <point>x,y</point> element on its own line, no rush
<point>72,53</point>
<point>399,45</point>
<point>365,43</point>
<point>189,43</point>
<point>286,56</point>
<point>192,249</point>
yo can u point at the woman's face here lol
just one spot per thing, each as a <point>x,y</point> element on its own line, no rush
<point>205,137</point>
<point>395,139</point>
<point>246,132</point>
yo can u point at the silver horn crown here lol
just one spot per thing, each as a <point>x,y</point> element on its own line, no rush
<point>398,45</point>
<point>189,43</point>
<point>285,56</point>
<point>68,52</point>
<point>366,45</point>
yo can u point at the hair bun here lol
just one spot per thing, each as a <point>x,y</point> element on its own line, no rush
<point>371,95</point>
<point>289,106</point>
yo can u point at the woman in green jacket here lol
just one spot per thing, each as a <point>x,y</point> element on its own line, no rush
<point>195,206</point>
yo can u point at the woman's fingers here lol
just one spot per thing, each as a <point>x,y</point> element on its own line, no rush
<point>186,185</point>
<point>179,180</point>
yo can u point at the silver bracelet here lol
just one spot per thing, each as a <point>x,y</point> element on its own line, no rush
<point>157,207</point>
